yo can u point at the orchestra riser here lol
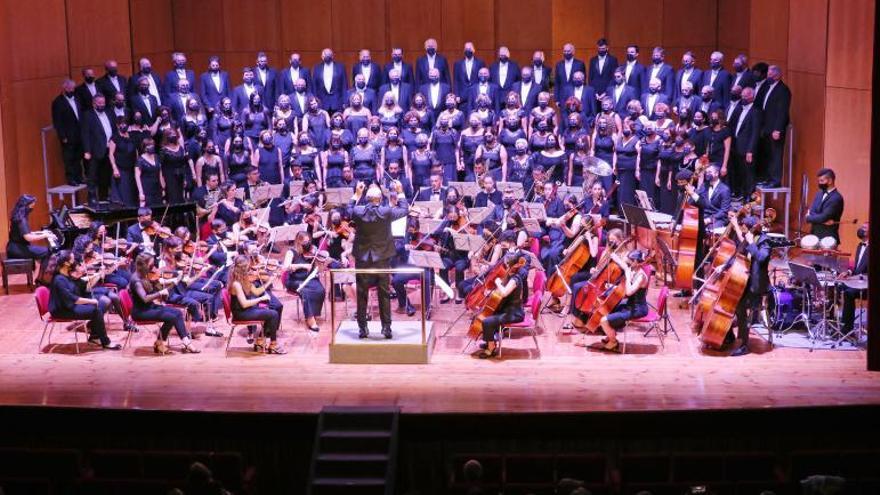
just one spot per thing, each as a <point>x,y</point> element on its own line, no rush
<point>561,375</point>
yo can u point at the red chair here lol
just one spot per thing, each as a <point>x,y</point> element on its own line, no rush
<point>41,297</point>
<point>230,319</point>
<point>660,314</point>
<point>529,323</point>
<point>127,304</point>
<point>535,247</point>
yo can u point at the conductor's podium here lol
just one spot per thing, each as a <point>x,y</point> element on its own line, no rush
<point>412,342</point>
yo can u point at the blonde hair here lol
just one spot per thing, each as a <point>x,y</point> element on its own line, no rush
<point>241,266</point>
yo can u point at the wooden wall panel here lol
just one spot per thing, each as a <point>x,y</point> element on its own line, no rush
<point>768,31</point>
<point>807,36</point>
<point>850,43</point>
<point>358,24</point>
<point>91,45</point>
<point>38,39</point>
<point>644,29</point>
<point>525,27</point>
<point>306,25</point>
<point>467,20</point>
<point>251,25</point>
<point>808,115</point>
<point>687,23</point>
<point>733,27</point>
<point>410,25</point>
<point>198,25</point>
<point>151,27</point>
<point>581,22</point>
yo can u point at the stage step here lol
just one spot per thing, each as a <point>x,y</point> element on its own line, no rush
<point>355,451</point>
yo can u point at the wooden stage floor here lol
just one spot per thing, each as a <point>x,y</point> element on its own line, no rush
<point>564,376</point>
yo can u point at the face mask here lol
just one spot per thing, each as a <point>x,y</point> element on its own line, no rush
<point>123,128</point>
<point>468,53</point>
<point>687,150</point>
<point>392,138</point>
<point>543,104</point>
<point>660,115</point>
<point>714,121</point>
<point>113,71</point>
<point>267,140</point>
<point>520,151</point>
<point>862,233</point>
<point>147,70</point>
<point>375,128</point>
<point>475,125</point>
<point>735,97</point>
<point>653,90</point>
<point>211,151</point>
<point>238,146</point>
<point>657,60</point>
<point>431,51</point>
<point>171,139</point>
<point>68,94</point>
<point>484,79</point>
<point>336,145</point>
<point>450,105</point>
<point>307,246</point>
<point>145,91</point>
<point>627,132</point>
<point>300,90</point>
<point>630,57</point>
<point>100,108</point>
<point>508,202</point>
<point>362,140</point>
<point>679,141</point>
<point>422,144</point>
<point>568,56</point>
<point>503,58</point>
<point>150,149</point>
<point>824,187</point>
<point>527,78</point>
<point>578,83</point>
<point>361,85</point>
<point>327,60</point>
<point>120,104</point>
<point>303,142</point>
<point>396,59</point>
<point>715,65</point>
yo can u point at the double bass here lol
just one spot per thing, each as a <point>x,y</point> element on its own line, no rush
<point>492,299</point>
<point>685,262</point>
<point>732,285</point>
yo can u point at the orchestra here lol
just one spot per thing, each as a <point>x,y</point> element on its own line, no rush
<point>544,192</point>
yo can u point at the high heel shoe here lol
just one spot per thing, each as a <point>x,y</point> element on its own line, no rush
<point>190,349</point>
<point>161,348</point>
<point>275,348</point>
<point>259,345</point>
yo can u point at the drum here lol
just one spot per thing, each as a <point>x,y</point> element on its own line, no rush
<point>828,243</point>
<point>785,304</point>
<point>857,282</point>
<point>809,242</point>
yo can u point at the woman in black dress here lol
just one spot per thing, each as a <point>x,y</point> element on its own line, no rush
<point>238,160</point>
<point>21,239</point>
<point>718,139</point>
<point>671,157</point>
<point>123,156</point>
<point>175,164</point>
<point>220,127</point>
<point>649,156</point>
<point>256,119</point>
<point>626,162</point>
<point>148,175</point>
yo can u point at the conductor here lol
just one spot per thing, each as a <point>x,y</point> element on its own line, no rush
<point>374,248</point>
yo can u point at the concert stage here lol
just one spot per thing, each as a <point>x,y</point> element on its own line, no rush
<point>560,376</point>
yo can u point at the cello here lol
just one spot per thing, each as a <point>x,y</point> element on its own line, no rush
<point>493,298</point>
<point>606,272</point>
<point>687,239</point>
<point>609,300</point>
<point>731,287</point>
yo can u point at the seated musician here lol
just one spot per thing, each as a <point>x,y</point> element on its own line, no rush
<point>595,195</point>
<point>146,289</point>
<point>225,247</point>
<point>634,306</point>
<point>247,304</point>
<point>89,260</point>
<point>253,180</point>
<point>207,197</point>
<point>138,240</point>
<point>757,248</point>
<point>453,198</point>
<point>501,212</point>
<point>230,208</point>
<point>571,225</point>
<point>552,204</point>
<point>510,310</point>
<point>413,240</point>
<point>265,278</point>
<point>496,245</point>
<point>92,244</point>
<point>531,182</point>
<point>452,258</point>
<point>303,280</point>
<point>67,299</point>
<point>298,173</point>
<point>435,190</point>
<point>859,268</point>
<point>715,195</point>
<point>580,280</point>
<point>489,194</point>
<point>182,289</point>
<point>394,173</point>
<point>21,238</point>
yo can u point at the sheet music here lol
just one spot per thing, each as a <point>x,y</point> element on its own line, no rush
<point>338,195</point>
<point>516,186</point>
<point>466,188</point>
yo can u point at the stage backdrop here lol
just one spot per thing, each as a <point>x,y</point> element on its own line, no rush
<point>825,46</point>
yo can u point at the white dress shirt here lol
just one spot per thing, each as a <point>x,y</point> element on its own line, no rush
<point>601,63</point>
<point>618,91</point>
<point>366,70</point>
<point>568,64</point>
<point>328,77</point>
<point>628,70</point>
<point>524,90</point>
<point>742,117</point>
<point>431,61</point>
<point>502,73</point>
<point>147,104</point>
<point>767,96</point>
<point>114,80</point>
<point>468,66</point>
<point>435,94</point>
<point>712,77</point>
<point>105,123</point>
<point>655,70</point>
<point>263,74</point>
<point>71,100</point>
<point>538,74</point>
<point>218,84</point>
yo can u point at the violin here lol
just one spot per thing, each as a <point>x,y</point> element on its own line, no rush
<point>156,229</point>
<point>191,247</point>
<point>111,244</point>
<point>344,229</point>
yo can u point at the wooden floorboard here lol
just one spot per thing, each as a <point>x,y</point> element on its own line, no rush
<point>563,376</point>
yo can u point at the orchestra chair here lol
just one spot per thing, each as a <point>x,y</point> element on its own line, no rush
<point>41,297</point>
<point>658,315</point>
<point>233,323</point>
<point>13,266</point>
<point>535,247</point>
<point>298,302</point>
<point>127,305</point>
<point>533,312</point>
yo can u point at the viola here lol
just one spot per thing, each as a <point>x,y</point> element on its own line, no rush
<point>493,298</point>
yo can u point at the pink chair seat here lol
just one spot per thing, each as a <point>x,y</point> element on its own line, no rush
<point>528,322</point>
<point>651,317</point>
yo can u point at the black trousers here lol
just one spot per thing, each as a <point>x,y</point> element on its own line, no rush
<point>848,314</point>
<point>493,323</point>
<point>92,312</point>
<point>170,317</point>
<point>745,313</point>
<point>742,180</point>
<point>363,282</point>
<point>270,318</point>
<point>399,280</point>
<point>771,158</point>
<point>71,155</point>
<point>98,179</point>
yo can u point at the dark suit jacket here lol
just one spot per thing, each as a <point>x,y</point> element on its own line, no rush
<point>860,267</point>
<point>759,273</point>
<point>405,94</point>
<point>178,111</point>
<point>137,105</point>
<point>240,99</point>
<point>661,98</point>
<point>461,83</point>
<point>133,85</point>
<point>424,194</point>
<point>374,241</point>
<point>730,110</point>
<point>333,99</point>
<point>626,95</point>
<point>547,78</point>
<point>721,85</point>
<point>636,79</point>
<point>746,140</point>
<point>65,121</point>
<point>775,110</point>
<point>171,80</point>
<point>376,77</point>
<point>94,140</point>
<point>285,85</point>
<point>425,89</point>
<point>719,204</point>
<point>406,72</point>
<point>713,105</point>
<point>369,98</point>
<point>600,81</point>
<point>747,80</point>
<point>421,70</point>
<point>822,211</point>
<point>208,92</point>
<point>666,76</point>
<point>294,103</point>
<point>588,99</point>
<point>483,199</point>
<point>269,90</point>
<point>531,100</point>
<point>562,80</point>
<point>105,85</point>
<point>691,106</point>
<point>493,92</point>
<point>695,77</point>
<point>513,71</point>
<point>85,96</point>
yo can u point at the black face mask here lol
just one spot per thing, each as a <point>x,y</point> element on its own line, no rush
<point>396,59</point>
<point>862,233</point>
<point>267,140</point>
<point>68,94</point>
<point>824,187</point>
<point>520,151</point>
<point>120,104</point>
<point>537,62</point>
<point>147,70</point>
<point>99,108</point>
<point>508,202</point>
<point>307,246</point>
<point>238,146</point>
<point>150,149</point>
<point>145,91</point>
<point>171,139</point>
<point>450,105</point>
<point>113,71</point>
<point>468,53</point>
<point>657,60</point>
<point>303,142</point>
<point>735,97</point>
<point>123,129</point>
<point>431,51</point>
<point>630,57</point>
<point>375,128</point>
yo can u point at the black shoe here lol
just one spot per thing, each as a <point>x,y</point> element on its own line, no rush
<point>386,332</point>
<point>740,351</point>
<point>363,333</point>
<point>484,345</point>
<point>315,328</point>
<point>459,301</point>
<point>769,185</point>
<point>445,300</point>
<point>112,347</point>
<point>410,310</point>
<point>683,293</point>
<point>729,339</point>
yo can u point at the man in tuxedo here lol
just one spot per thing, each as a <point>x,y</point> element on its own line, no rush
<point>242,93</point>
<point>299,97</point>
<point>394,173</point>
<point>86,91</point>
<point>368,95</point>
<point>504,72</point>
<point>757,248</point>
<point>707,100</point>
<point>584,93</point>
<point>687,73</point>
<point>330,82</point>
<point>602,67</point>
<point>759,78</point>
<point>718,78</point>
<point>619,91</point>
<point>287,78</point>
<point>374,248</point>
<point>265,77</point>
<point>775,104</point>
<point>527,89</point>
<point>565,69</point>
<point>742,75</point>
<point>634,71</point>
<point>214,84</point>
<point>97,129</point>
<point>734,104</point>
<point>119,108</point>
<point>405,69</point>
<point>144,101</point>
<point>179,72</point>
<point>859,268</point>
<point>111,82</point>
<point>401,91</point>
<point>827,208</point>
<point>654,96</point>
<point>370,70</point>
<point>66,121</point>
<point>431,60</point>
<point>541,74</point>
<point>716,198</point>
<point>484,87</point>
<point>662,71</point>
<point>746,126</point>
<point>435,190</point>
<point>177,100</point>
<point>464,72</point>
<point>686,101</point>
<point>435,92</point>
<point>154,84</point>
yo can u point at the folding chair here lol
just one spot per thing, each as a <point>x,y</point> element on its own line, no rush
<point>41,297</point>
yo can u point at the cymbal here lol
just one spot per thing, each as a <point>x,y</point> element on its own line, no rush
<point>598,167</point>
